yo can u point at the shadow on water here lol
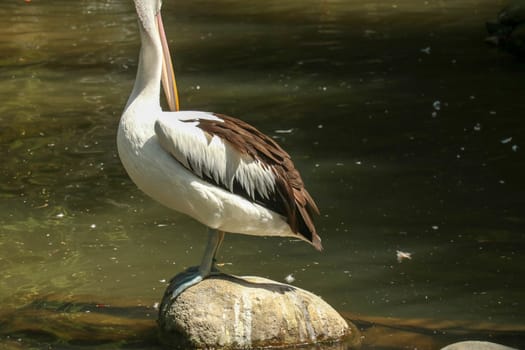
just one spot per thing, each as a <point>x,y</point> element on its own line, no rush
<point>407,129</point>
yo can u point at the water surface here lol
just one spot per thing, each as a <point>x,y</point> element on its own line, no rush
<point>406,127</point>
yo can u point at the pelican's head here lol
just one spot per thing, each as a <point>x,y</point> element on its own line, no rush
<point>147,10</point>
<point>150,17</point>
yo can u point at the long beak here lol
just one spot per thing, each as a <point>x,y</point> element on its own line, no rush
<point>168,75</point>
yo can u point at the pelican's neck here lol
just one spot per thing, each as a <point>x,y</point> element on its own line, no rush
<point>146,91</point>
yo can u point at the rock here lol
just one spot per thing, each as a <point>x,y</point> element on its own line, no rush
<point>516,41</point>
<point>476,345</point>
<point>508,31</point>
<point>513,13</point>
<point>249,312</point>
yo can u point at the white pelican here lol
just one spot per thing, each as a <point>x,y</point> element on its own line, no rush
<point>217,169</point>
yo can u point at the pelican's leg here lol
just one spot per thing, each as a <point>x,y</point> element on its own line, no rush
<point>214,269</point>
<point>215,239</point>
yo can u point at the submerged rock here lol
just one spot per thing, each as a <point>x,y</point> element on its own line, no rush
<point>249,312</point>
<point>476,345</point>
<point>508,31</point>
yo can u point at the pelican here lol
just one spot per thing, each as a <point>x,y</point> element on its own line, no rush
<point>219,170</point>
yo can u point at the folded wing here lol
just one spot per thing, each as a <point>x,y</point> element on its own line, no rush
<point>237,157</point>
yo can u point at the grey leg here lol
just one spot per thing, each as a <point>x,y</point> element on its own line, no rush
<point>214,269</point>
<point>215,239</point>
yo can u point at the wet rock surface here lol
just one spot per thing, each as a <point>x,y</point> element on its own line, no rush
<point>249,312</point>
<point>508,30</point>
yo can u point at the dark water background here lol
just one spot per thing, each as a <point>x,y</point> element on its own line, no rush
<point>408,130</point>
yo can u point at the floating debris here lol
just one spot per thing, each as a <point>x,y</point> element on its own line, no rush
<point>437,105</point>
<point>515,148</point>
<point>369,32</point>
<point>426,50</point>
<point>403,255</point>
<point>290,278</point>
<point>506,140</point>
<point>284,131</point>
<point>477,127</point>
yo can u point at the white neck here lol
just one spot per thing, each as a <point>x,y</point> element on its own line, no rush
<point>146,90</point>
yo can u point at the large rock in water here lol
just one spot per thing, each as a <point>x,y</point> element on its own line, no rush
<point>248,312</point>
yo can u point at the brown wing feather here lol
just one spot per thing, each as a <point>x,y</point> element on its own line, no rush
<point>295,203</point>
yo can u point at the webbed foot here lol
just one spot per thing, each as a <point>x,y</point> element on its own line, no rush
<point>196,274</point>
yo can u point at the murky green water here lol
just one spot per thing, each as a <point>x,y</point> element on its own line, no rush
<point>408,131</point>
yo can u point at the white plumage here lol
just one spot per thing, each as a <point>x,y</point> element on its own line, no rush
<point>216,169</point>
<point>209,155</point>
<point>159,165</point>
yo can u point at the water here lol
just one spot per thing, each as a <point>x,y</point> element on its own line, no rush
<point>407,130</point>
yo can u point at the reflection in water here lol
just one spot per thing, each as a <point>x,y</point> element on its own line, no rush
<point>405,126</point>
